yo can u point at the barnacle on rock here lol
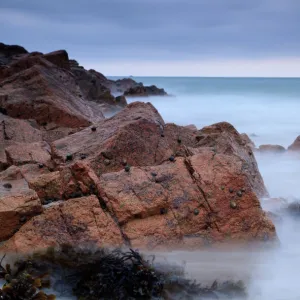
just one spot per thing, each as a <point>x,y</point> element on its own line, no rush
<point>69,157</point>
<point>7,185</point>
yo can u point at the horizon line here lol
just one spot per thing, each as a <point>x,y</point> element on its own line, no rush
<point>220,77</point>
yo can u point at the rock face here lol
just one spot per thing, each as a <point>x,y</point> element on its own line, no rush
<point>271,149</point>
<point>142,91</point>
<point>15,133</point>
<point>296,145</point>
<point>154,185</point>
<point>15,210</point>
<point>74,222</point>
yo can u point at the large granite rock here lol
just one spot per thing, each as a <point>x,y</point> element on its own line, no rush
<point>74,222</point>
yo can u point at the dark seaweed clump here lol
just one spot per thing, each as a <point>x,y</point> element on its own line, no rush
<point>94,273</point>
<point>24,283</point>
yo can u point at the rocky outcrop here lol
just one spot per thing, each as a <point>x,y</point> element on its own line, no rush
<point>142,91</point>
<point>271,149</point>
<point>9,53</point>
<point>295,146</point>
<point>163,185</point>
<point>34,88</point>
<point>96,87</point>
<point>72,176</point>
<point>138,136</point>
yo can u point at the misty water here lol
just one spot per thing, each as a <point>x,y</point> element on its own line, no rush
<point>268,111</point>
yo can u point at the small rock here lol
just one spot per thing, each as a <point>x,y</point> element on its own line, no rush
<point>231,190</point>
<point>41,166</point>
<point>94,128</point>
<point>153,174</point>
<point>7,185</point>
<point>222,187</point>
<point>233,204</point>
<point>127,168</point>
<point>196,212</point>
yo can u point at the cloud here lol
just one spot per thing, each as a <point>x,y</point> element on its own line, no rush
<point>154,30</point>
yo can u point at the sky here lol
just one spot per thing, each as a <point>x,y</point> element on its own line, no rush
<point>162,37</point>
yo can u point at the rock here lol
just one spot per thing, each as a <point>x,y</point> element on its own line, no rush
<point>271,149</point>
<point>248,141</point>
<point>54,186</point>
<point>11,173</point>
<point>133,134</point>
<point>222,138</point>
<point>21,154</point>
<point>295,146</point>
<point>75,222</point>
<point>121,85</point>
<point>34,88</point>
<point>13,208</point>
<point>13,132</point>
<point>59,58</point>
<point>92,85</point>
<point>182,188</point>
<point>191,126</point>
<point>142,91</point>
<point>9,52</point>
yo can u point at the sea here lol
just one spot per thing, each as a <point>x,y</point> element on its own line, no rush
<point>268,110</point>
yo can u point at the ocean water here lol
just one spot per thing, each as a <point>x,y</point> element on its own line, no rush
<point>267,109</point>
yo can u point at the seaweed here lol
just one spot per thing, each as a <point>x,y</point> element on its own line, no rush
<point>93,273</point>
<point>23,283</point>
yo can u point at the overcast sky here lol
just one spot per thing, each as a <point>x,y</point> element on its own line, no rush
<point>162,37</point>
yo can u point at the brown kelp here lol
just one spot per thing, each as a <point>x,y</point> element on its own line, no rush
<point>24,281</point>
<point>94,273</point>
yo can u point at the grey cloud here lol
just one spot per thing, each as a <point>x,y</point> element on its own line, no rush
<point>155,29</point>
